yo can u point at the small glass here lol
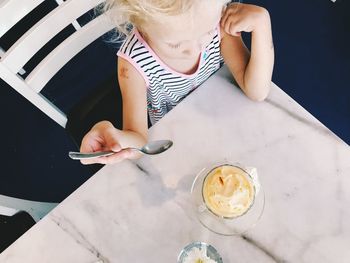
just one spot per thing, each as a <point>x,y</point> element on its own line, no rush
<point>211,252</point>
<point>223,224</point>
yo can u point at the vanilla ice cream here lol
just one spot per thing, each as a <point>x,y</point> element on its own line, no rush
<point>228,191</point>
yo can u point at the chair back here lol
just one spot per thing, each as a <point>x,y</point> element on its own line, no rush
<point>13,59</point>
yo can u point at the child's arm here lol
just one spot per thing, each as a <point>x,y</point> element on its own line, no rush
<point>104,136</point>
<point>134,94</point>
<point>253,72</point>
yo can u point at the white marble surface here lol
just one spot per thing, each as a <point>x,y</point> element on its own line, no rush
<point>141,212</point>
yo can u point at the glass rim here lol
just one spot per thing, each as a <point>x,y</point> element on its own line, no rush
<point>202,244</point>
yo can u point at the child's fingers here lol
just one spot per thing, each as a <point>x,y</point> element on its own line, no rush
<point>111,140</point>
<point>114,158</point>
<point>224,19</point>
<point>90,161</point>
<point>227,27</point>
<point>230,26</point>
<point>90,143</point>
<point>234,30</point>
<point>234,27</point>
<point>133,154</point>
<point>101,160</point>
<point>230,11</point>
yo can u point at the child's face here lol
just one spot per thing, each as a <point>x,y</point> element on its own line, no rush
<point>185,36</point>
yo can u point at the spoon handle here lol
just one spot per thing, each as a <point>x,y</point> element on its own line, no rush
<point>80,156</point>
<point>152,148</point>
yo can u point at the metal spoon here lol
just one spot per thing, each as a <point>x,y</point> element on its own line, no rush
<point>153,147</point>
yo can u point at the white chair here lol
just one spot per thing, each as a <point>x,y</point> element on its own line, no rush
<point>13,60</point>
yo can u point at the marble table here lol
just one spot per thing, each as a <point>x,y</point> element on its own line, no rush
<point>141,211</point>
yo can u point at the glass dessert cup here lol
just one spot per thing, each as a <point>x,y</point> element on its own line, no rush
<point>187,252</point>
<point>227,198</point>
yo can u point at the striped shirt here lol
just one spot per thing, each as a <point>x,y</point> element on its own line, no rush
<point>166,87</point>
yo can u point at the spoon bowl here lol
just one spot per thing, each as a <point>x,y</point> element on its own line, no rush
<point>151,148</point>
<point>155,147</point>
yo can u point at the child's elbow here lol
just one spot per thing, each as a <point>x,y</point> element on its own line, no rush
<point>257,91</point>
<point>258,96</point>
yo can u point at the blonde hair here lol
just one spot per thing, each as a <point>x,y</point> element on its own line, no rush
<point>126,14</point>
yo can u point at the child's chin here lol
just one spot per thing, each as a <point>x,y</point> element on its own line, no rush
<point>189,57</point>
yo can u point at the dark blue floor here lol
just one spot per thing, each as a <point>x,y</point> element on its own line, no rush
<point>35,149</point>
<point>312,65</point>
<point>34,154</point>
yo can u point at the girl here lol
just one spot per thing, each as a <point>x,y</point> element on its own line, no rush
<point>174,46</point>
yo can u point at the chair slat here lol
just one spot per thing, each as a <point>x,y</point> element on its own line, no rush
<point>31,42</point>
<point>35,98</point>
<point>36,209</point>
<point>12,11</point>
<point>49,66</point>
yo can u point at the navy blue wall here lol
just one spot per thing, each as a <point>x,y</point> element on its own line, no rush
<point>312,46</point>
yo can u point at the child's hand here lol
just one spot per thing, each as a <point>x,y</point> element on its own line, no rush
<point>239,18</point>
<point>104,137</point>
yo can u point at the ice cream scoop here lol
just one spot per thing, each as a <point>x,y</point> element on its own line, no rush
<point>228,191</point>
